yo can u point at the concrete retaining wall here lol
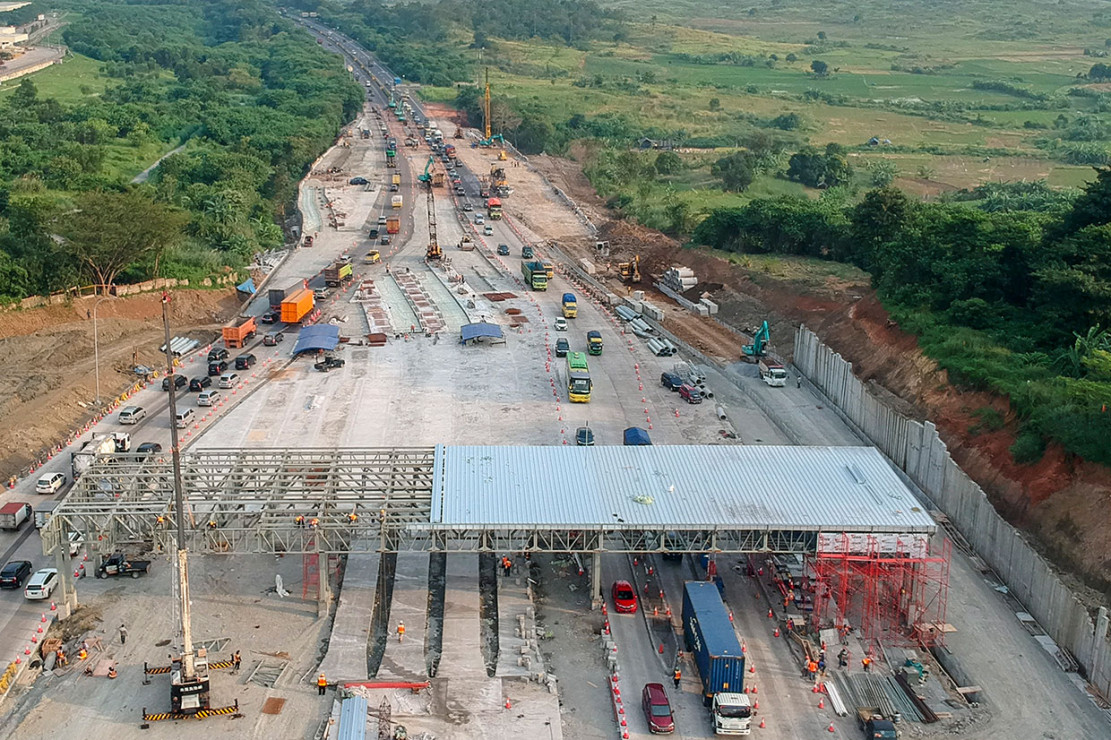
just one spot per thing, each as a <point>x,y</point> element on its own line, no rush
<point>917,448</point>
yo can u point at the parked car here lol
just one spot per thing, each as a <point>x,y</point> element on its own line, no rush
<point>215,355</point>
<point>148,448</point>
<point>216,368</point>
<point>132,415</point>
<point>179,381</point>
<point>76,542</point>
<point>357,181</point>
<point>690,394</point>
<point>14,573</point>
<point>199,383</point>
<point>671,381</point>
<point>273,339</point>
<point>208,398</point>
<point>657,709</point>
<point>244,362</point>
<point>270,318</point>
<point>50,483</point>
<point>42,584</point>
<point>562,347</point>
<point>624,597</point>
<point>503,250</point>
<point>584,437</point>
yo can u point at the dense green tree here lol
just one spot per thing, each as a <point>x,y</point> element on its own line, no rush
<point>735,170</point>
<point>819,68</point>
<point>668,163</point>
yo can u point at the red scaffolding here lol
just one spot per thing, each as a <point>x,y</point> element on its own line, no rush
<point>891,588</point>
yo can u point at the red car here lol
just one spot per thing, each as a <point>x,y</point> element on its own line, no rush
<point>624,597</point>
<point>657,709</point>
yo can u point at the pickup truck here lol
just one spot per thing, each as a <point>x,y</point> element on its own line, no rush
<point>875,725</point>
<point>119,565</point>
<point>328,363</point>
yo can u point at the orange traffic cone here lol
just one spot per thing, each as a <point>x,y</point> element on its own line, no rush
<point>507,704</point>
<point>831,727</point>
<point>822,703</point>
<point>763,724</point>
<point>770,615</point>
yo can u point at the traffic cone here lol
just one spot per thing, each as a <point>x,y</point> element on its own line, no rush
<point>831,729</point>
<point>770,615</point>
<point>756,704</point>
<point>822,703</point>
<point>507,704</point>
<point>763,724</point>
<point>754,689</point>
<point>752,669</point>
<point>776,633</point>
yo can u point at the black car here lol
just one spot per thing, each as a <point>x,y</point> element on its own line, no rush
<point>243,362</point>
<point>358,181</point>
<point>179,381</point>
<point>671,381</point>
<point>148,448</point>
<point>14,573</point>
<point>217,368</point>
<point>503,249</point>
<point>217,354</point>
<point>562,347</point>
<point>198,384</point>
<point>270,318</point>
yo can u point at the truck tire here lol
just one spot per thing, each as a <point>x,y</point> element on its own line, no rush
<point>101,574</point>
<point>134,574</point>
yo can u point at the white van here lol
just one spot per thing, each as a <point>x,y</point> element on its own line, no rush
<point>228,380</point>
<point>183,417</point>
<point>50,482</point>
<point>132,415</point>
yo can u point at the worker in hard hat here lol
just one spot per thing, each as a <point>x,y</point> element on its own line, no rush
<point>321,685</point>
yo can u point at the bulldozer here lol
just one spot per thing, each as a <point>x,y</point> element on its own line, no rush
<point>502,156</point>
<point>630,271</point>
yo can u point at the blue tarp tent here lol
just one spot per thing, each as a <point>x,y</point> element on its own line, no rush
<point>316,338</point>
<point>477,331</point>
<point>247,287</point>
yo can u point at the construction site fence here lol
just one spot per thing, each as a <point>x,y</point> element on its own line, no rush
<point>917,448</point>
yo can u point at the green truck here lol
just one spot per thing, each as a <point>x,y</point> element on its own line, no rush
<point>536,277</point>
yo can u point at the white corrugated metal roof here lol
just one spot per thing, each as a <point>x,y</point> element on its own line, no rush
<point>838,489</point>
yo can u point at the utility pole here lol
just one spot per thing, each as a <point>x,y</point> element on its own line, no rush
<point>486,105</point>
<point>189,684</point>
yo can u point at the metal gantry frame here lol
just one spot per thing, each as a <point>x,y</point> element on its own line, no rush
<point>339,501</point>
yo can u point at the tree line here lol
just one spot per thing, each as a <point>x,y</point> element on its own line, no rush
<point>1011,301</point>
<point>256,99</point>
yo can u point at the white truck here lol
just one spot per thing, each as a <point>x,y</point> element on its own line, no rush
<point>731,714</point>
<point>100,444</point>
<point>772,373</point>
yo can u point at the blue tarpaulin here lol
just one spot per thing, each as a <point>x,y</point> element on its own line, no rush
<point>479,330</point>
<point>247,287</point>
<point>316,338</point>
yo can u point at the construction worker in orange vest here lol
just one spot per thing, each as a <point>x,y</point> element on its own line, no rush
<point>866,663</point>
<point>677,677</point>
<point>321,685</point>
<point>400,631</point>
<point>111,671</point>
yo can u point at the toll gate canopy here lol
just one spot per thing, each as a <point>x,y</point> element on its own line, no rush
<point>486,498</point>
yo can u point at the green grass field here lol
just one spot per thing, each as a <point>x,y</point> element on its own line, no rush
<point>72,81</point>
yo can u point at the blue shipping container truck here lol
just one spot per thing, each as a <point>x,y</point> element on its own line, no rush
<point>710,637</point>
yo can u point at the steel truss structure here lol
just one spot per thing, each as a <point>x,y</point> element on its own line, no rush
<point>338,501</point>
<point>893,597</point>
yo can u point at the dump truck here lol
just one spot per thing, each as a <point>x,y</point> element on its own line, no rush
<point>100,444</point>
<point>717,653</point>
<point>237,336</point>
<point>396,179</point>
<point>396,201</point>
<point>297,306</point>
<point>535,275</point>
<point>278,295</point>
<point>119,564</point>
<point>393,225</point>
<point>13,514</point>
<point>772,373</point>
<point>549,269</point>
<point>493,208</point>
<point>594,342</point>
<point>337,273</point>
<point>570,305</point>
<point>437,179</point>
<point>875,725</point>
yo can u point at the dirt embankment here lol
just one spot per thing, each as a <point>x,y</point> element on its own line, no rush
<point>48,381</point>
<point>1060,499</point>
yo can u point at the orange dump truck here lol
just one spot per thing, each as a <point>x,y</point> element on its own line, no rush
<point>237,336</point>
<point>297,306</point>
